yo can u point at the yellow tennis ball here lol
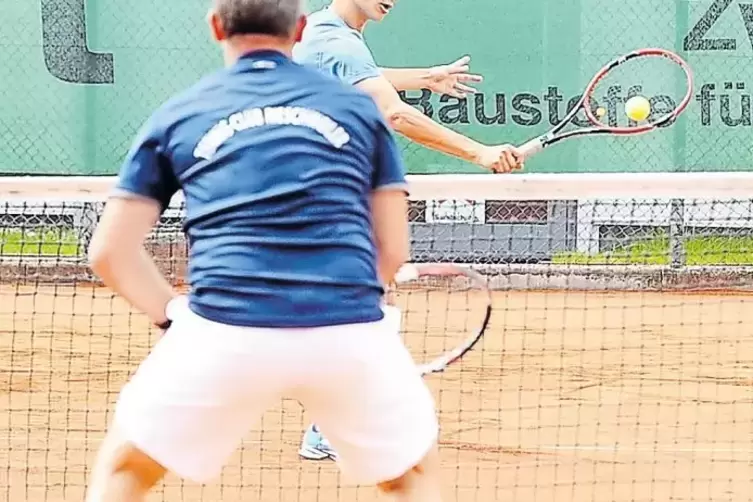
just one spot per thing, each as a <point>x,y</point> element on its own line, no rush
<point>638,108</point>
<point>601,111</point>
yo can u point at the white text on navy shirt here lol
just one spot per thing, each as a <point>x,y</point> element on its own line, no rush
<point>276,115</point>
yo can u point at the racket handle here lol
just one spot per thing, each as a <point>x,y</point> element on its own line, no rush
<point>531,147</point>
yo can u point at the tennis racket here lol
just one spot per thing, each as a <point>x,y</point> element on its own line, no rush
<point>445,308</point>
<point>657,67</point>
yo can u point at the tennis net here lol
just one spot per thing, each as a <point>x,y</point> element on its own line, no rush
<point>618,364</point>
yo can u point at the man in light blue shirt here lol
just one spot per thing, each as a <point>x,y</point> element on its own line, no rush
<point>333,42</point>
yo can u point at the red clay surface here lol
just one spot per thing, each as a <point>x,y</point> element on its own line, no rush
<point>571,397</point>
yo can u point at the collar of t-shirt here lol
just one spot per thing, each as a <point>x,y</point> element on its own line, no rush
<point>336,19</point>
<point>263,59</point>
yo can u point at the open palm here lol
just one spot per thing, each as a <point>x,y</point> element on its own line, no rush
<point>453,79</point>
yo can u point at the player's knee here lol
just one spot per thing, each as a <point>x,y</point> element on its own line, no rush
<point>397,486</point>
<point>122,464</point>
<point>420,477</point>
<point>137,465</point>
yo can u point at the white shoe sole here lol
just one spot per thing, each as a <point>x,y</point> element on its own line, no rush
<point>310,453</point>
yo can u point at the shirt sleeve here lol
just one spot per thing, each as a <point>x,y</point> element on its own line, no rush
<point>348,60</point>
<point>146,171</point>
<point>389,169</point>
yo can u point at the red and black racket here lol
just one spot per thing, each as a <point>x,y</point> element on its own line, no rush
<point>446,310</point>
<point>654,67</point>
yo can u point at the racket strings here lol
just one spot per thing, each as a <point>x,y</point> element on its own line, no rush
<point>659,82</point>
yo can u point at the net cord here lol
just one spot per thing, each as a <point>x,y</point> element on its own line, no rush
<point>536,186</point>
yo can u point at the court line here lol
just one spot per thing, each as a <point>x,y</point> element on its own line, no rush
<point>645,449</point>
<point>562,447</point>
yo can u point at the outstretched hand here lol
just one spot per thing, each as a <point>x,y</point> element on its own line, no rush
<point>453,79</point>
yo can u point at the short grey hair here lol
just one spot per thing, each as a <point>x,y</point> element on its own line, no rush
<point>259,17</point>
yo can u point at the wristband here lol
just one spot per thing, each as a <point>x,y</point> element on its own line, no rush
<point>170,313</point>
<point>164,326</point>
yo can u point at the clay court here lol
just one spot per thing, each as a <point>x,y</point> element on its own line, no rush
<point>572,396</point>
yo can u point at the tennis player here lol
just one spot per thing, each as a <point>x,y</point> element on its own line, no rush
<point>333,42</point>
<point>296,216</point>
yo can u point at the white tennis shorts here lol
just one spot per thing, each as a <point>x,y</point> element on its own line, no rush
<point>204,385</point>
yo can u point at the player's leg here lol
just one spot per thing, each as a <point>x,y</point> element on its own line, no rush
<point>370,401</point>
<point>314,446</point>
<point>186,408</point>
<point>122,472</point>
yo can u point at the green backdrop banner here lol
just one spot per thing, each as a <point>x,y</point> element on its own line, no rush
<point>80,77</point>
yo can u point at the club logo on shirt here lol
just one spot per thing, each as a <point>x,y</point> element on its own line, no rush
<point>275,115</point>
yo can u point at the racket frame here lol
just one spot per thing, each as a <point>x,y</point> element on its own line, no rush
<point>554,135</point>
<point>412,272</point>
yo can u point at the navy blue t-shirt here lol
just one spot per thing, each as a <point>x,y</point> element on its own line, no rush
<point>277,163</point>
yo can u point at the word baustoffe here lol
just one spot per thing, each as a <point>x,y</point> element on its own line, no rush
<point>726,104</point>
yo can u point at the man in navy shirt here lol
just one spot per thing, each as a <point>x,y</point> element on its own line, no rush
<point>296,216</point>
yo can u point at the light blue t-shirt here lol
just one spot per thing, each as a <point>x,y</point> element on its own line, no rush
<point>331,46</point>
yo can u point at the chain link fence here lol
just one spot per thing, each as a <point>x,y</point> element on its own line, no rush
<point>80,78</point>
<point>81,82</point>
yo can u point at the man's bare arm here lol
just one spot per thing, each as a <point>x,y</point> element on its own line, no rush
<point>415,125</point>
<point>389,209</point>
<point>408,79</point>
<point>118,257</point>
<point>418,127</point>
<point>449,79</point>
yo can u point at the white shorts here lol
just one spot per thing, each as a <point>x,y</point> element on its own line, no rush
<point>205,385</point>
